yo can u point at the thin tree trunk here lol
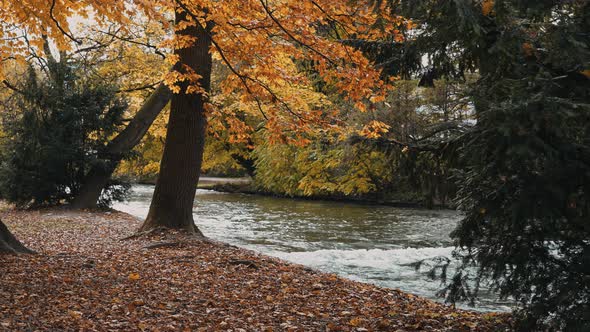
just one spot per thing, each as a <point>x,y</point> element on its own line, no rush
<point>172,203</point>
<point>9,243</point>
<point>100,175</point>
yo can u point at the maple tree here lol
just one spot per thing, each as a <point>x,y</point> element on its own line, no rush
<point>258,41</point>
<point>127,57</point>
<point>210,30</point>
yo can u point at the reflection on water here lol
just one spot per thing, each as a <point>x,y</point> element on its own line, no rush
<point>363,242</point>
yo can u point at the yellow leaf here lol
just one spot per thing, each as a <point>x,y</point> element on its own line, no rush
<point>134,276</point>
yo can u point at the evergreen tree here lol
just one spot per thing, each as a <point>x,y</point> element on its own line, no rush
<point>526,190</point>
<point>57,129</point>
<point>525,182</point>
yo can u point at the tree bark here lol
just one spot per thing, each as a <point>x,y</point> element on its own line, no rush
<point>99,175</point>
<point>172,203</point>
<point>9,244</point>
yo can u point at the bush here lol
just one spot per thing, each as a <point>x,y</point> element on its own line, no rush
<point>56,129</point>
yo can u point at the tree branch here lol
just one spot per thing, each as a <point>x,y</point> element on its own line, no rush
<point>290,35</point>
<point>12,87</point>
<point>139,88</point>
<point>59,26</point>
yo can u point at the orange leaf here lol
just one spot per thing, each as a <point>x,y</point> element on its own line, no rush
<point>356,321</point>
<point>487,7</point>
<point>134,276</point>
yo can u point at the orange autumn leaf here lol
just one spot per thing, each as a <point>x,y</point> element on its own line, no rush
<point>487,7</point>
<point>375,129</point>
<point>258,42</point>
<point>134,276</point>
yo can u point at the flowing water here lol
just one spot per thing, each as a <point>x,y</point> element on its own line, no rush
<point>370,243</point>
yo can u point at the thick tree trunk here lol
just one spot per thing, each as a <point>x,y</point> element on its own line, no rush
<point>172,203</point>
<point>99,175</point>
<point>9,243</point>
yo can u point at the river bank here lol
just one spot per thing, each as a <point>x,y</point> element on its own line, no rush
<point>365,242</point>
<point>87,278</point>
<point>245,185</point>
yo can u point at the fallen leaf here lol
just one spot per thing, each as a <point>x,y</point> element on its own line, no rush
<point>134,276</point>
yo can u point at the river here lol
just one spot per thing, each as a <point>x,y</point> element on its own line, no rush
<point>368,243</point>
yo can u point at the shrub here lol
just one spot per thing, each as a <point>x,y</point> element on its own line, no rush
<point>56,128</point>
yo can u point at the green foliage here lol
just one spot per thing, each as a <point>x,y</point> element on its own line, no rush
<point>276,171</point>
<point>525,176</point>
<point>56,129</point>
<point>526,194</point>
<point>377,169</point>
<point>143,164</point>
<point>321,169</point>
<point>446,42</point>
<point>523,171</point>
<point>220,158</point>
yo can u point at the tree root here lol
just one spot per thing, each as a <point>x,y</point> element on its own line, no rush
<point>9,244</point>
<point>162,230</point>
<point>144,233</point>
<point>247,263</point>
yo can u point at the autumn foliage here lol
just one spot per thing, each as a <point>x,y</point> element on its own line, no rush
<point>259,42</point>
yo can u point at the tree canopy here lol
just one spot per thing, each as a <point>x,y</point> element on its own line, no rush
<point>243,33</point>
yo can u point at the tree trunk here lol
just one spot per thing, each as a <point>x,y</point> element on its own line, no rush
<point>100,175</point>
<point>9,244</point>
<point>172,203</point>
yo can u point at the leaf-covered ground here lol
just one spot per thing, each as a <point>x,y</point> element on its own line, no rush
<point>86,278</point>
